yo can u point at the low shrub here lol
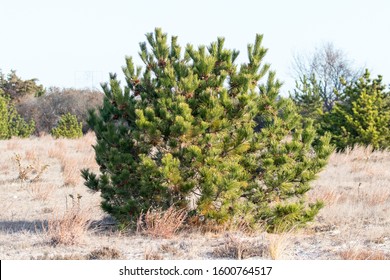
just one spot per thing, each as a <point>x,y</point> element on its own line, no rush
<point>68,127</point>
<point>11,123</point>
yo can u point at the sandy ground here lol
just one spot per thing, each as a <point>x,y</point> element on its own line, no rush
<point>40,182</point>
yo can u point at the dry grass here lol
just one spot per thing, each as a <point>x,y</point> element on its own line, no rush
<point>55,152</point>
<point>355,189</point>
<point>71,176</point>
<point>72,163</point>
<point>30,155</point>
<point>70,228</point>
<point>236,246</point>
<point>105,253</point>
<point>14,144</point>
<point>161,224</point>
<point>363,254</point>
<point>151,254</point>
<point>278,244</point>
<point>41,191</point>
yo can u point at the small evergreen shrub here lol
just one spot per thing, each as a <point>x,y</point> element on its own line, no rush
<point>307,98</point>
<point>4,131</point>
<point>201,133</point>
<point>11,123</point>
<point>362,115</point>
<point>68,127</point>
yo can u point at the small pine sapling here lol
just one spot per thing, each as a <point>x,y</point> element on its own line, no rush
<point>196,131</point>
<point>68,127</point>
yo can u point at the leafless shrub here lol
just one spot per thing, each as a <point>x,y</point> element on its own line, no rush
<point>159,223</point>
<point>328,64</point>
<point>47,109</point>
<point>31,172</point>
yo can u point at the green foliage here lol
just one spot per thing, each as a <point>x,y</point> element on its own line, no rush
<point>16,88</point>
<point>68,127</point>
<point>308,99</point>
<point>362,116</point>
<point>197,131</point>
<point>4,131</point>
<point>11,123</point>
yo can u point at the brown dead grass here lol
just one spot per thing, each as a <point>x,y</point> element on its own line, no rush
<point>237,246</point>
<point>71,175</point>
<point>41,191</point>
<point>161,224</point>
<point>14,144</point>
<point>278,244</point>
<point>355,189</point>
<point>363,254</point>
<point>30,155</point>
<point>72,162</point>
<point>71,227</point>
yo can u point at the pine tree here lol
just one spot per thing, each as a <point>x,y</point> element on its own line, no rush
<point>307,97</point>
<point>11,123</point>
<point>198,129</point>
<point>68,127</point>
<point>362,116</point>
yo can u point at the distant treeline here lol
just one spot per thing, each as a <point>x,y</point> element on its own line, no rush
<point>44,107</point>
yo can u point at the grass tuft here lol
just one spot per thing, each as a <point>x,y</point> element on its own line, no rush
<point>161,224</point>
<point>71,228</point>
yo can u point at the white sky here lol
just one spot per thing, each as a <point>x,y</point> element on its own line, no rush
<point>76,43</point>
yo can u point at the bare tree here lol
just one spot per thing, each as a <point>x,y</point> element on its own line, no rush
<point>328,65</point>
